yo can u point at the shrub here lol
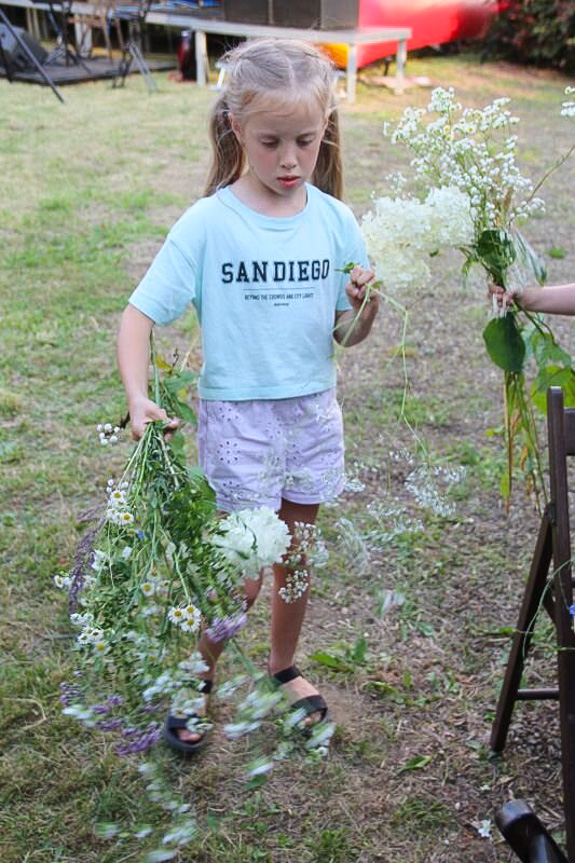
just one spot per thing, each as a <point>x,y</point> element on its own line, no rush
<point>539,32</point>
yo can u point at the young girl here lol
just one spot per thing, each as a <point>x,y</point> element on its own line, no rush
<point>260,257</point>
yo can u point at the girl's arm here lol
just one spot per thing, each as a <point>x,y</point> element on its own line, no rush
<point>352,326</point>
<point>552,300</point>
<point>133,353</point>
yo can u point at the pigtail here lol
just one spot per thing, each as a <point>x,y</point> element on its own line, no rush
<point>328,174</point>
<point>227,153</point>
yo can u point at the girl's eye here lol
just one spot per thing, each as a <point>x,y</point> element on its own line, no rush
<point>304,142</point>
<point>269,144</point>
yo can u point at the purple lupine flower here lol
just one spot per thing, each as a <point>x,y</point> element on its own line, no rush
<point>145,739</point>
<point>109,724</point>
<point>222,629</point>
<point>69,693</point>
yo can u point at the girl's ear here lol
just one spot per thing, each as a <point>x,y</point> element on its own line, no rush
<point>236,129</point>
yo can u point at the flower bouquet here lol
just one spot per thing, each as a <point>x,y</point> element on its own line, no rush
<point>158,566</point>
<point>470,195</point>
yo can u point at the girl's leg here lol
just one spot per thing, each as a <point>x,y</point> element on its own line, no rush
<point>287,618</point>
<point>211,651</point>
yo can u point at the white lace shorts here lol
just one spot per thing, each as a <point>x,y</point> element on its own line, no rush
<point>254,453</point>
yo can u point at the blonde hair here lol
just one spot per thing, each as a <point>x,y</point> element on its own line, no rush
<point>287,70</point>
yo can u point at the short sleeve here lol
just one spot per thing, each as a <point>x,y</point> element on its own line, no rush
<point>169,286</point>
<point>355,253</point>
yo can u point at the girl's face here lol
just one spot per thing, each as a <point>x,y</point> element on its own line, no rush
<point>281,144</point>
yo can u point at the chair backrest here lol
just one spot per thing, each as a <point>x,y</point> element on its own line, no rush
<point>561,438</point>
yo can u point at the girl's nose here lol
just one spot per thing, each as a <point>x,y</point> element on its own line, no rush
<point>288,159</point>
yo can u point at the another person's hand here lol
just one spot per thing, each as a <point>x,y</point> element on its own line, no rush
<point>143,411</point>
<point>501,298</point>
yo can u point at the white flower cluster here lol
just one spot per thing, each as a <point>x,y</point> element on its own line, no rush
<point>392,521</point>
<point>568,108</point>
<point>308,541</point>
<point>297,582</point>
<point>250,539</point>
<point>187,617</point>
<point>173,681</point>
<point>108,433</point>
<point>429,486</point>
<point>92,635</point>
<point>474,150</point>
<point>117,510</point>
<point>62,580</point>
<point>402,233</point>
<point>353,545</point>
<point>252,710</point>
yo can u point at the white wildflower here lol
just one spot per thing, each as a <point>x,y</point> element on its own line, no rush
<point>61,580</point>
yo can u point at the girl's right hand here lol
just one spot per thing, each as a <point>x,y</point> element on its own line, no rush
<point>143,411</point>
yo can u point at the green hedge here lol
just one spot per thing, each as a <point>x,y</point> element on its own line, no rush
<point>538,32</point>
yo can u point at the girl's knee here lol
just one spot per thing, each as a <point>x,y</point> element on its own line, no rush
<point>252,587</point>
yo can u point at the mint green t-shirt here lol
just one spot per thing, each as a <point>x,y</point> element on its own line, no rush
<point>265,290</point>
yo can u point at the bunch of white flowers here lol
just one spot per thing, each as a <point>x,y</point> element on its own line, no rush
<point>402,233</point>
<point>473,149</point>
<point>250,539</point>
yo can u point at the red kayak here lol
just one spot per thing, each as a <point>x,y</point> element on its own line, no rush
<point>432,22</point>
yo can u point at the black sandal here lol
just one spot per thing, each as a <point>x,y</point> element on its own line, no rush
<point>310,704</point>
<point>174,723</point>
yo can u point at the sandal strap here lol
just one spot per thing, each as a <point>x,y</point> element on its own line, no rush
<point>287,674</point>
<point>206,687</point>
<point>312,704</point>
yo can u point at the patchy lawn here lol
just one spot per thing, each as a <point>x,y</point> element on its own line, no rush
<point>408,629</point>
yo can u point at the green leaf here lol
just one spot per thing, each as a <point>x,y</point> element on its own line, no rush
<point>331,661</point>
<point>184,412</point>
<point>358,652</point>
<point>496,252</point>
<point>553,376</point>
<point>417,763</point>
<point>504,343</point>
<point>546,350</point>
<point>174,383</point>
<point>466,269</point>
<point>529,258</point>
<point>557,254</point>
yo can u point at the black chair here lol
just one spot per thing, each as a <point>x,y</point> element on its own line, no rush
<point>65,53</point>
<point>6,63</point>
<point>135,18</point>
<point>525,834</point>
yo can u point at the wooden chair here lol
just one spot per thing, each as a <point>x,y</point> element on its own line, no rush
<point>554,591</point>
<point>102,16</point>
<point>526,835</point>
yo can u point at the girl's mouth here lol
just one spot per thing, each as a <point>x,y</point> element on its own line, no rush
<point>288,182</point>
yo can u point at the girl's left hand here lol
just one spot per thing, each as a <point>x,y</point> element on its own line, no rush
<point>356,289</point>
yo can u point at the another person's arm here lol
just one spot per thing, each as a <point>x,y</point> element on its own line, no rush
<point>552,300</point>
<point>133,351</point>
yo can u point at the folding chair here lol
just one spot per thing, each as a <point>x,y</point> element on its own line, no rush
<point>135,16</point>
<point>554,591</point>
